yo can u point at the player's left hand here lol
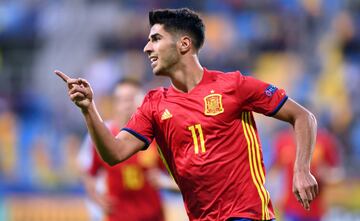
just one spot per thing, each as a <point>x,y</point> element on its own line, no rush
<point>305,188</point>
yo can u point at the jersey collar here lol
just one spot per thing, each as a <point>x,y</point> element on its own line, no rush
<point>204,79</point>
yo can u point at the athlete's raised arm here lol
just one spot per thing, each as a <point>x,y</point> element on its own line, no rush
<point>112,150</point>
<point>305,186</point>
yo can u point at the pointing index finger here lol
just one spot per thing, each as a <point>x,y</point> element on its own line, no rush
<point>63,76</point>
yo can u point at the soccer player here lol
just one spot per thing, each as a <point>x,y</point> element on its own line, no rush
<point>325,165</point>
<point>204,126</point>
<point>129,194</point>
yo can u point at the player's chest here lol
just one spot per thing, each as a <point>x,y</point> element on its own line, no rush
<point>213,108</point>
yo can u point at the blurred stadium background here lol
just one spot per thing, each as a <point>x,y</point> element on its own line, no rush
<point>309,47</point>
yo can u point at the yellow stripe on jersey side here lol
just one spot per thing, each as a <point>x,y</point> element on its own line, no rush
<point>164,161</point>
<point>255,160</point>
<point>243,121</point>
<point>256,170</point>
<point>262,173</point>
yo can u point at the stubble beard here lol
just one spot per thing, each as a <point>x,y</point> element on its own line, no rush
<point>168,64</point>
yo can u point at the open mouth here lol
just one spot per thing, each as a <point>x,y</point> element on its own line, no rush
<point>153,60</point>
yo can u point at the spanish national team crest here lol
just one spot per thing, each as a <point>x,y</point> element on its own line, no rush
<point>213,104</point>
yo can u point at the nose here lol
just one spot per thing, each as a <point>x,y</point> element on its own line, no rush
<point>148,48</point>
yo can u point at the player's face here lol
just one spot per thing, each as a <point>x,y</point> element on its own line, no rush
<point>162,50</point>
<point>127,98</point>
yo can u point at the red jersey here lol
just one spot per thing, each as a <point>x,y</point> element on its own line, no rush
<point>210,144</point>
<point>133,198</point>
<point>325,156</point>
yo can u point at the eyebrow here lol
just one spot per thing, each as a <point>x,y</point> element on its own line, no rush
<point>154,36</point>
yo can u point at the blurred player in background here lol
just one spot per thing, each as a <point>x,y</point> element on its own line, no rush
<point>204,126</point>
<point>325,165</point>
<point>98,183</point>
<point>126,193</point>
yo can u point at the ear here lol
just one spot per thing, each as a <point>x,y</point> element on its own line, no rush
<point>185,44</point>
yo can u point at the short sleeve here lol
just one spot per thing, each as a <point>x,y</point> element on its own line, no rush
<point>260,96</point>
<point>140,124</point>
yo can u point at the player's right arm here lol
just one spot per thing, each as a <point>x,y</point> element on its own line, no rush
<point>264,98</point>
<point>112,150</point>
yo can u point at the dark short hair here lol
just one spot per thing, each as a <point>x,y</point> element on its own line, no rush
<point>180,20</point>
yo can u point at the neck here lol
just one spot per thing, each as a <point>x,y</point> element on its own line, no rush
<point>187,74</point>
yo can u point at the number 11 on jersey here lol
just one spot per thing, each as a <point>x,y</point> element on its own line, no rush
<point>193,129</point>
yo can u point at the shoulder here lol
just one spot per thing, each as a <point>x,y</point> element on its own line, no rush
<point>238,80</point>
<point>153,97</point>
<point>155,94</point>
<point>229,81</point>
<point>226,76</point>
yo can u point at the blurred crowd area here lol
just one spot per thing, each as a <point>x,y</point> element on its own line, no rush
<point>311,48</point>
